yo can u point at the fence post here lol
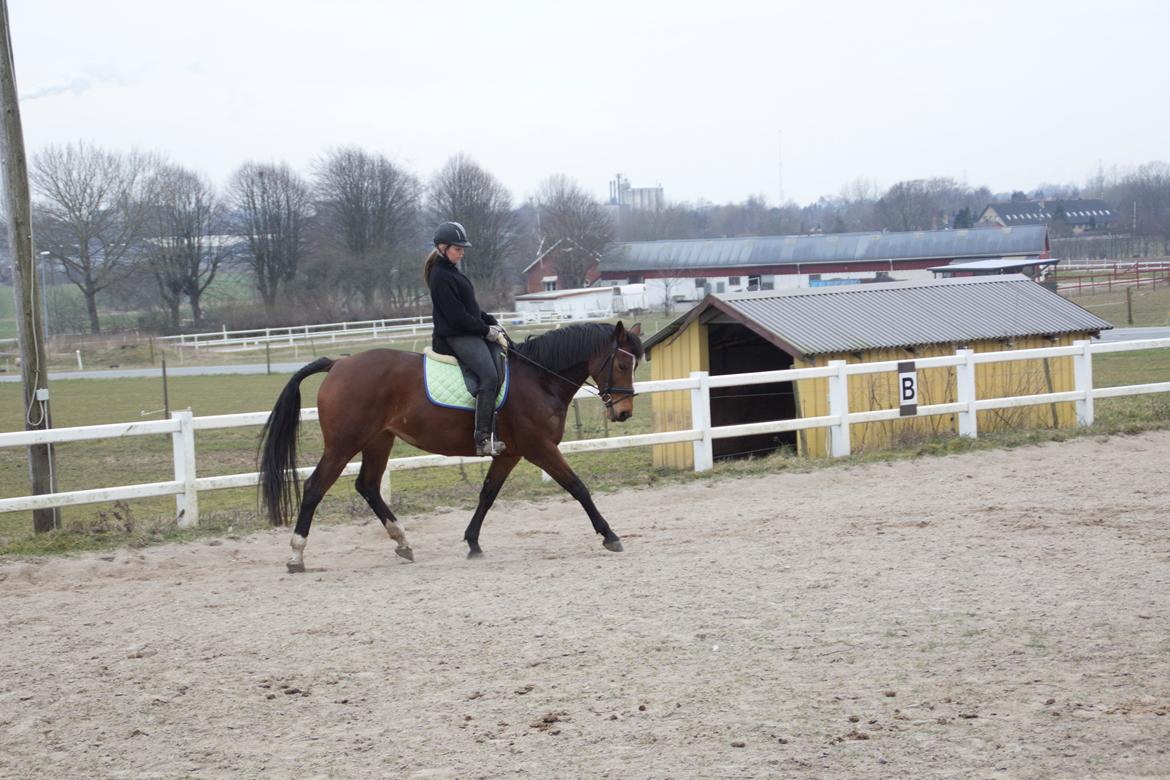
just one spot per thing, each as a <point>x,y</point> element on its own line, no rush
<point>839,446</point>
<point>701,421</point>
<point>183,445</point>
<point>965,393</point>
<point>1083,373</point>
<point>385,486</point>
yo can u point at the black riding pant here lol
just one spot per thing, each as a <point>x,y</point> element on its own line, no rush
<point>478,356</point>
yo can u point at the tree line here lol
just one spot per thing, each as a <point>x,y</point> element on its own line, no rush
<point>346,239</point>
<point>1140,200</point>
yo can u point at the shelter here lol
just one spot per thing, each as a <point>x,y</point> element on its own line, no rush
<point>782,329</point>
<point>1032,268</point>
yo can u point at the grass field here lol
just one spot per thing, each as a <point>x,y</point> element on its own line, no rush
<point>144,459</point>
<point>1150,307</point>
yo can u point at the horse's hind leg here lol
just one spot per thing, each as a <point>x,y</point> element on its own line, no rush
<point>328,469</point>
<point>369,485</point>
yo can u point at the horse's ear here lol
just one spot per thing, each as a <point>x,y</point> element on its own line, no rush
<point>619,330</point>
<point>636,329</point>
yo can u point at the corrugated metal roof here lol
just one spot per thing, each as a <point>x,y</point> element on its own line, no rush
<point>830,248</point>
<point>856,318</point>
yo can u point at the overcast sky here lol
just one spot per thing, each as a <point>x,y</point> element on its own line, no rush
<point>692,96</point>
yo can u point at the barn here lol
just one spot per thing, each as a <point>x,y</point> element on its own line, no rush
<point>684,271</point>
<point>803,328</point>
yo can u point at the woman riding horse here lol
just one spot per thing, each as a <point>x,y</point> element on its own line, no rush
<point>464,330</point>
<point>373,398</point>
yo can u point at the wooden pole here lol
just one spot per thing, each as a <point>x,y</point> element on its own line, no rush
<point>166,392</point>
<point>29,312</point>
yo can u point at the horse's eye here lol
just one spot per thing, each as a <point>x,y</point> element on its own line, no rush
<point>624,366</point>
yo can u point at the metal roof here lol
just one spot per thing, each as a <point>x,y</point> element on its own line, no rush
<point>857,318</point>
<point>1037,212</point>
<point>828,248</point>
<point>993,264</point>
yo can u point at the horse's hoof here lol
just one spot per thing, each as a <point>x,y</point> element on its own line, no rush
<point>477,553</point>
<point>405,552</point>
<point>613,546</point>
<point>296,567</point>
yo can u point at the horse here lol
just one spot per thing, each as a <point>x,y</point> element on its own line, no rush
<point>372,398</point>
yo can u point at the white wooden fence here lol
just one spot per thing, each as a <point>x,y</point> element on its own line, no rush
<point>183,425</point>
<point>334,332</point>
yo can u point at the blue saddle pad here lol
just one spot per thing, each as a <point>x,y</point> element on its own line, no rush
<point>445,386</point>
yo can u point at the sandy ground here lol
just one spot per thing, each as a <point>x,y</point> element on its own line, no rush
<point>1000,614</point>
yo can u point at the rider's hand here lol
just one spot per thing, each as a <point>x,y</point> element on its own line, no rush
<point>494,333</point>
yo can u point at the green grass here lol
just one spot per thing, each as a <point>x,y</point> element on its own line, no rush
<point>7,314</point>
<point>144,459</point>
<point>1151,307</point>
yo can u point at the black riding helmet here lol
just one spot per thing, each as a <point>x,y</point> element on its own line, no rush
<point>451,233</point>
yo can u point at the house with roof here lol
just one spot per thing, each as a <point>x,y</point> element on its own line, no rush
<point>685,271</point>
<point>1079,214</point>
<point>775,330</point>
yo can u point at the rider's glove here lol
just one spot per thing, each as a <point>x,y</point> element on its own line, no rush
<point>495,333</point>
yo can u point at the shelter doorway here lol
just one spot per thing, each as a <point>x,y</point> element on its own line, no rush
<point>734,349</point>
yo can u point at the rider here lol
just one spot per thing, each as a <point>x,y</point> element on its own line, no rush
<point>462,329</point>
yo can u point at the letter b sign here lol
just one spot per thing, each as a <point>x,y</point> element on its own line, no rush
<point>907,389</point>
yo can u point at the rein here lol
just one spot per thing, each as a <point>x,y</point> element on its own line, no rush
<point>605,394</point>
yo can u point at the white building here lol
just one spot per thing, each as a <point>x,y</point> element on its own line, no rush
<point>582,303</point>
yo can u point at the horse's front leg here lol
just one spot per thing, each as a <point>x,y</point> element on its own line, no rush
<point>500,469</point>
<point>555,465</point>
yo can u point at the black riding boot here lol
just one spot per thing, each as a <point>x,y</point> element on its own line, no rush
<point>486,442</point>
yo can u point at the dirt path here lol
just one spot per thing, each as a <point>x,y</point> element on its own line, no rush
<point>999,614</point>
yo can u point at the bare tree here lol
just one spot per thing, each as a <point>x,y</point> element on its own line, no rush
<point>272,206</point>
<point>188,239</point>
<point>464,192</point>
<point>566,211</point>
<point>927,204</point>
<point>368,214</point>
<point>91,213</point>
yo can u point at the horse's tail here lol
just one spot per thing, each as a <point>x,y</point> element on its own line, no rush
<point>280,488</point>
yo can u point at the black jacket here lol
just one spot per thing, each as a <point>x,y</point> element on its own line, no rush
<point>455,311</point>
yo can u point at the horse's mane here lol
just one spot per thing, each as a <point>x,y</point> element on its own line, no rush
<point>558,349</point>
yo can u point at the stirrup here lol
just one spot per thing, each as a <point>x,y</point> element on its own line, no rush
<point>490,447</point>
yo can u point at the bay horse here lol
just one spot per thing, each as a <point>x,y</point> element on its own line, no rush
<point>372,398</point>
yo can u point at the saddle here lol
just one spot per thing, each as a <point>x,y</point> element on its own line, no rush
<point>449,384</point>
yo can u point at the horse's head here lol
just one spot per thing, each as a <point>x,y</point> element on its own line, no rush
<point>612,368</point>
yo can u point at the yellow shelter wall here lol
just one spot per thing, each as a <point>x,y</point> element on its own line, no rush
<point>871,392</point>
<point>672,411</point>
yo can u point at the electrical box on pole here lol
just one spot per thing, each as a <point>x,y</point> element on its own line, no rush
<point>34,370</point>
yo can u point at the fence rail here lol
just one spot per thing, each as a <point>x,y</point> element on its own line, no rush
<point>186,485</point>
<point>333,332</point>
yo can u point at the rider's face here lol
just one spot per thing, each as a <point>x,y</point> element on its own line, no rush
<point>455,253</point>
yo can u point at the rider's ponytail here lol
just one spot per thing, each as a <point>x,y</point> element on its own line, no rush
<point>430,263</point>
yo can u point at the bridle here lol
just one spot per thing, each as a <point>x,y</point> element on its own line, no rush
<point>605,394</point>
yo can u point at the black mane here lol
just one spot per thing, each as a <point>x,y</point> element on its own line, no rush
<point>558,349</point>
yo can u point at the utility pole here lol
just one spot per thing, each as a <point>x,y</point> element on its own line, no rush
<point>34,370</point>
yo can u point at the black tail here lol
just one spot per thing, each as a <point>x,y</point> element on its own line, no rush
<point>280,488</point>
